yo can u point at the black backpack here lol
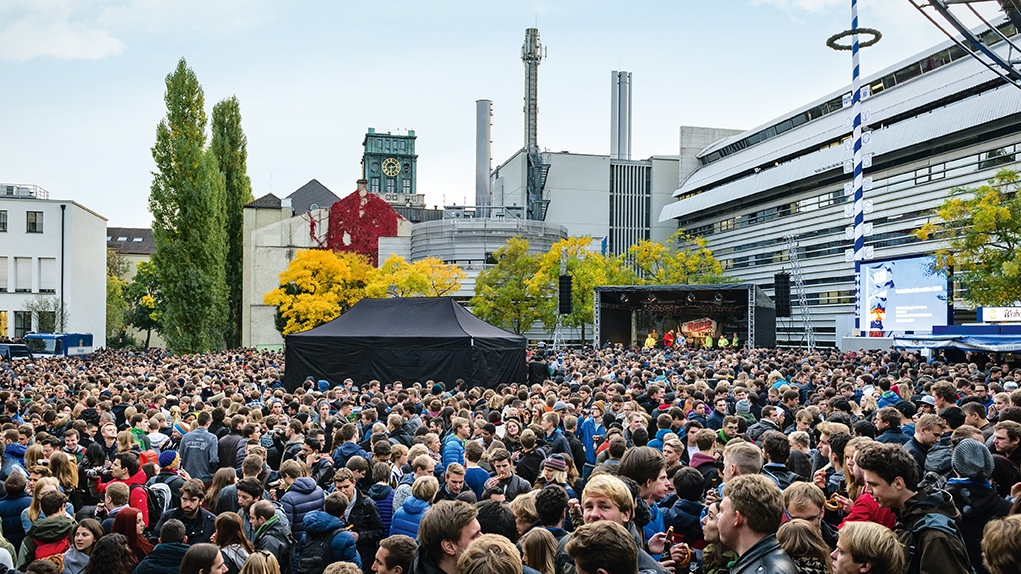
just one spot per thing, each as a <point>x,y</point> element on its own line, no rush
<point>315,553</point>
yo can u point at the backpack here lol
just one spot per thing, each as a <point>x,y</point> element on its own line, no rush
<point>51,548</point>
<point>157,495</point>
<point>315,553</point>
<point>934,521</point>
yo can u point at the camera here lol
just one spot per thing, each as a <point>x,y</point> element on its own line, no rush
<point>97,472</point>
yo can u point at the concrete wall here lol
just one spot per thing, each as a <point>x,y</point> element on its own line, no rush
<point>83,266</point>
<point>693,140</point>
<point>269,246</point>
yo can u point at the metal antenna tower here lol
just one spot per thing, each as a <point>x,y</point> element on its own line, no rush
<point>532,53</point>
<point>799,284</point>
<point>978,45</point>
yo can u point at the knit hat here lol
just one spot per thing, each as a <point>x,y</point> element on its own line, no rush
<point>181,428</point>
<point>169,459</point>
<point>972,459</point>
<point>743,406</point>
<point>437,389</point>
<point>600,405</point>
<point>559,406</point>
<point>556,463</point>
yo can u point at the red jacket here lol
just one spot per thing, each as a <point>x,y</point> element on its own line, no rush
<point>866,509</point>
<point>137,498</point>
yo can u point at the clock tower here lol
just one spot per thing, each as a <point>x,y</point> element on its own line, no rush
<point>389,165</point>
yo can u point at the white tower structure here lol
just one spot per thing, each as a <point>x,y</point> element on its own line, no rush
<point>531,55</point>
<point>620,115</point>
<point>483,150</point>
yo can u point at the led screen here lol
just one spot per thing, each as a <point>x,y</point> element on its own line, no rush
<point>903,295</point>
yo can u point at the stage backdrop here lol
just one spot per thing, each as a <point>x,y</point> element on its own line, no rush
<point>626,314</point>
<point>406,339</point>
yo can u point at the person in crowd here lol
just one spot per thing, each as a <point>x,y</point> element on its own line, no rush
<point>603,546</point>
<point>203,558</point>
<point>12,505</point>
<point>490,554</point>
<point>265,563</point>
<point>539,550</point>
<point>867,547</point>
<point>169,551</point>
<point>129,523</point>
<point>1001,545</point>
<point>49,535</point>
<point>382,494</point>
<point>86,535</point>
<point>801,541</point>
<point>230,537</point>
<point>325,538</point>
<point>509,483</point>
<point>444,534</point>
<point>271,534</point>
<point>301,495</point>
<point>407,518</point>
<point>394,555</point>
<point>199,450</point>
<point>806,501</point>
<point>974,496</point>
<point>199,523</point>
<point>111,555</point>
<point>126,469</point>
<point>927,519</point>
<point>362,515</point>
<point>249,491</point>
<point>750,512</point>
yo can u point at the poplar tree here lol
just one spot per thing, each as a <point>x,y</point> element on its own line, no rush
<point>231,149</point>
<point>187,204</point>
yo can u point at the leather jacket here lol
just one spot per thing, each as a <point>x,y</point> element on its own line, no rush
<point>767,555</point>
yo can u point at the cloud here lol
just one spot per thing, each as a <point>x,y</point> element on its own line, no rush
<point>49,28</point>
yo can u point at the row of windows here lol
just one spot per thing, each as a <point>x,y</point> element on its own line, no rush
<point>915,69</point>
<point>45,322</point>
<point>33,221</point>
<point>391,186</point>
<point>27,270</point>
<point>388,145</point>
<point>961,166</point>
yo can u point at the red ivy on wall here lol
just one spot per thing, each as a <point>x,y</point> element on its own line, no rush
<point>358,221</point>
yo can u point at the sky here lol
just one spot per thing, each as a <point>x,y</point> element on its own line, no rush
<point>82,81</point>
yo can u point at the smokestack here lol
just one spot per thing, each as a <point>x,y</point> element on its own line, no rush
<point>531,55</point>
<point>620,115</point>
<point>483,150</point>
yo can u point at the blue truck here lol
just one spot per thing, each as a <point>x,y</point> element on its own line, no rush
<point>60,344</point>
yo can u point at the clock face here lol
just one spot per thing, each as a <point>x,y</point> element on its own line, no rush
<point>391,167</point>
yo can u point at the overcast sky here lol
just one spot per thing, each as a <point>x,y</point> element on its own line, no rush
<point>82,81</point>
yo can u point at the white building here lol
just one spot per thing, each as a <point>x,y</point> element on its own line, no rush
<point>51,249</point>
<point>938,120</point>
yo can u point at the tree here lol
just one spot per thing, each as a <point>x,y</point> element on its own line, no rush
<point>587,270</point>
<point>187,203</point>
<point>51,316</point>
<point>317,287</point>
<point>230,146</point>
<point>501,296</point>
<point>116,303</point>
<point>145,301</point>
<point>427,277</point>
<point>982,230</point>
<point>688,261</point>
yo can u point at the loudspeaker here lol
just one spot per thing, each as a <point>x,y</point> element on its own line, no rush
<point>782,294</point>
<point>565,295</point>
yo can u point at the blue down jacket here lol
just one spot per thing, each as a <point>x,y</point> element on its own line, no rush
<point>301,498</point>
<point>343,547</point>
<point>408,517</point>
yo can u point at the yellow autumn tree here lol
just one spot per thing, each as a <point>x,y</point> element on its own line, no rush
<point>427,277</point>
<point>318,286</point>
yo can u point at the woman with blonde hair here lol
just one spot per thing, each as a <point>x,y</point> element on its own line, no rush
<point>525,515</point>
<point>64,470</point>
<point>804,544</point>
<point>126,442</point>
<point>261,562</point>
<point>34,512</point>
<point>34,456</point>
<point>538,549</point>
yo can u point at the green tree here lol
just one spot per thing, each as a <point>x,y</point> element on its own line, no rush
<point>230,146</point>
<point>317,287</point>
<point>145,301</point>
<point>587,270</point>
<point>116,302</point>
<point>982,230</point>
<point>187,204</point>
<point>501,296</point>
<point>686,261</point>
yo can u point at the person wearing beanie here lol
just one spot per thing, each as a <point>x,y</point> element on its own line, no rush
<point>171,475</point>
<point>744,410</point>
<point>554,471</point>
<point>973,495</point>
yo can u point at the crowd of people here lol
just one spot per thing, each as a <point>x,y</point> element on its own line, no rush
<point>613,461</point>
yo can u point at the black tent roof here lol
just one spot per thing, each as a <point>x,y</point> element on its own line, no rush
<point>410,339</point>
<point>371,321</point>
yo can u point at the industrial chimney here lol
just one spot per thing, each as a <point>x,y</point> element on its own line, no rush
<point>620,115</point>
<point>483,150</point>
<point>531,55</point>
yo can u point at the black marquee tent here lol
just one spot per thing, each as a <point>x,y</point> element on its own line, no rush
<point>406,339</point>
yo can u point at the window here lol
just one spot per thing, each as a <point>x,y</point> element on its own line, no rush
<point>3,221</point>
<point>374,185</point>
<point>406,186</point>
<point>47,275</point>
<point>3,323</point>
<point>22,323</point>
<point>136,239</point>
<point>390,185</point>
<point>34,222</point>
<point>22,274</point>
<point>3,283</point>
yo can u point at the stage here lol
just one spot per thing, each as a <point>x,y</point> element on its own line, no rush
<point>626,314</point>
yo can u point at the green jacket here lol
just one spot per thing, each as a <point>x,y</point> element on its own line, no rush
<point>49,529</point>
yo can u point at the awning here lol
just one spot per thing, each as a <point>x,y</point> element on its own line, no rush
<point>986,343</point>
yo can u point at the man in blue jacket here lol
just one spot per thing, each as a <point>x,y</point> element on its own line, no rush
<point>199,451</point>
<point>453,446</point>
<point>327,527</point>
